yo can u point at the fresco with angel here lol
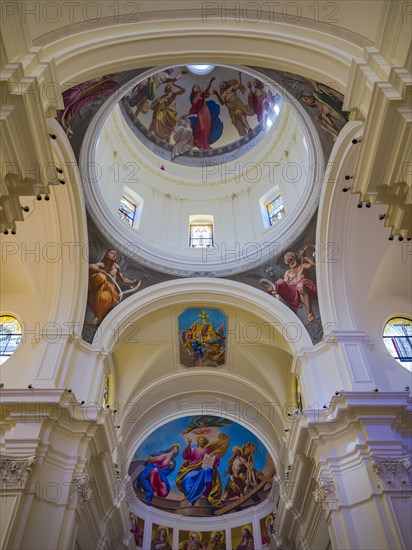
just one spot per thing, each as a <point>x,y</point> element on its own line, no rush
<point>201,465</point>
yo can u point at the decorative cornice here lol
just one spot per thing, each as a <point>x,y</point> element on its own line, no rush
<point>15,472</point>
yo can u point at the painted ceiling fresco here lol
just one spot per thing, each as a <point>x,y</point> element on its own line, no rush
<point>180,114</point>
<point>213,540</point>
<point>202,335</point>
<point>202,466</point>
<point>242,537</point>
<point>288,276</point>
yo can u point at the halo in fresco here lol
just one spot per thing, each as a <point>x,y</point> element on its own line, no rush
<point>197,540</point>
<point>202,466</point>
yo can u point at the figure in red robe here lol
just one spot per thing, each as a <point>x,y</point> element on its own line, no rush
<point>259,99</point>
<point>201,135</point>
<point>295,289</point>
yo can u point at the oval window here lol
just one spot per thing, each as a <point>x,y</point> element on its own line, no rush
<point>10,336</point>
<point>397,336</point>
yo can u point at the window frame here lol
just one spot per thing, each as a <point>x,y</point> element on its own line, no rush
<point>119,211</point>
<point>401,359</point>
<point>273,222</point>
<point>5,356</point>
<point>201,224</point>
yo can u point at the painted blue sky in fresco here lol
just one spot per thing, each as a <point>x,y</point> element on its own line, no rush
<point>192,315</point>
<point>162,438</point>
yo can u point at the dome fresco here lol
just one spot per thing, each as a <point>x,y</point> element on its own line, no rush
<point>177,113</point>
<point>254,240</point>
<point>202,465</point>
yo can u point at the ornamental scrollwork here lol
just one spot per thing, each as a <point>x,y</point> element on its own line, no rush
<point>326,493</point>
<point>82,490</point>
<point>15,472</point>
<point>391,473</point>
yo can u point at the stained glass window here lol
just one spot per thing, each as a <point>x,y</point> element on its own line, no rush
<point>201,235</point>
<point>10,336</point>
<point>275,210</point>
<point>397,336</point>
<point>127,211</point>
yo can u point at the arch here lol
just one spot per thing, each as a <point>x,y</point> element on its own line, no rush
<point>45,269</point>
<point>210,291</point>
<point>82,51</point>
<point>334,304</point>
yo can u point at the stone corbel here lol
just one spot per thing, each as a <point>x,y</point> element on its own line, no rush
<point>392,473</point>
<point>15,472</point>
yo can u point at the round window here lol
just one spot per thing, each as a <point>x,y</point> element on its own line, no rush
<point>397,336</point>
<point>10,336</point>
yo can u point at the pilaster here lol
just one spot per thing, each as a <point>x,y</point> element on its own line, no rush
<point>353,460</point>
<point>56,462</point>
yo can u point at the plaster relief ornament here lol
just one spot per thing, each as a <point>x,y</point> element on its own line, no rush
<point>326,493</point>
<point>15,473</point>
<point>392,473</point>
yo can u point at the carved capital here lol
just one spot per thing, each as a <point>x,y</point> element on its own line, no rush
<point>82,490</point>
<point>327,494</point>
<point>391,473</point>
<point>15,472</point>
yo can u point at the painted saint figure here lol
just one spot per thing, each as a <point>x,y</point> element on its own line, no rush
<point>87,93</point>
<point>103,294</point>
<point>247,542</point>
<point>136,531</point>
<point>161,540</point>
<point>259,99</point>
<point>268,532</point>
<point>238,111</point>
<point>243,475</point>
<point>183,137</point>
<point>201,135</point>
<point>329,106</point>
<point>164,112</point>
<point>146,90</point>
<point>295,289</point>
<point>217,541</point>
<point>194,542</point>
<point>198,475</point>
<point>153,479</point>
